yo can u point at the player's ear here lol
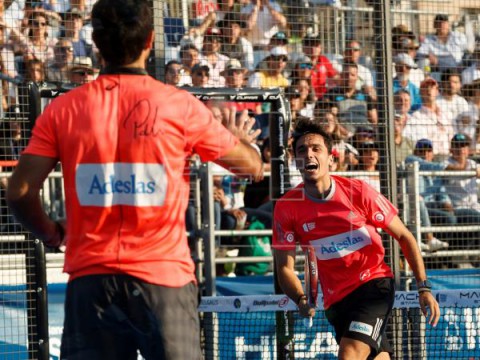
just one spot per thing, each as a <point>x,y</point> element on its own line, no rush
<point>149,41</point>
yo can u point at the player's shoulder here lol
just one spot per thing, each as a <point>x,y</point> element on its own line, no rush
<point>296,193</point>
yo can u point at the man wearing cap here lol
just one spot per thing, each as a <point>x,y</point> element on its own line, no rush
<point>464,190</point>
<point>234,44</point>
<point>429,122</point>
<point>403,65</point>
<point>234,75</point>
<point>272,76</point>
<point>81,71</point>
<point>445,48</point>
<point>323,72</point>
<point>211,56</point>
<point>435,204</point>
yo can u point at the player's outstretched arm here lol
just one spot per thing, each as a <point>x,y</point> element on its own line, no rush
<point>412,254</point>
<point>244,159</point>
<point>289,281</point>
<point>23,197</point>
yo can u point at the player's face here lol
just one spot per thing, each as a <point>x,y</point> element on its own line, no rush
<point>312,157</point>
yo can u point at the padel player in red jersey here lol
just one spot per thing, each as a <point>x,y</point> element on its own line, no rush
<point>124,141</point>
<point>339,217</point>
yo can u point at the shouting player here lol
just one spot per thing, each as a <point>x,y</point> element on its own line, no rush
<point>339,217</point>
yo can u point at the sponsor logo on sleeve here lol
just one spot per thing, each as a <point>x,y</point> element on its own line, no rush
<point>341,245</point>
<point>361,328</point>
<point>289,237</point>
<point>135,184</point>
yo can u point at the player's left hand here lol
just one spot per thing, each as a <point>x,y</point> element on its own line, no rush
<point>429,306</point>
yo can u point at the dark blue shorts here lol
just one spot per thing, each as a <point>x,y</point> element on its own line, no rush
<point>117,316</point>
<point>363,314</point>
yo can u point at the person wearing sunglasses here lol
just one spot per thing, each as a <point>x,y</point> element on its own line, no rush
<point>82,71</point>
<point>272,76</point>
<point>57,71</point>
<point>72,26</point>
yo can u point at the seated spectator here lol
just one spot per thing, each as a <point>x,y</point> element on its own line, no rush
<point>72,25</point>
<point>200,75</point>
<point>235,46</point>
<point>351,55</point>
<point>435,204</point>
<point>211,56</point>
<point>302,69</point>
<point>402,105</point>
<point>354,107</point>
<point>429,122</point>
<point>234,75</point>
<point>263,18</point>
<point>292,94</point>
<point>272,76</point>
<point>450,102</point>
<point>403,65</point>
<point>368,162</point>
<point>323,72</point>
<point>35,71</point>
<point>472,72</point>
<point>467,123</point>
<point>82,71</point>
<point>307,97</point>
<point>403,145</point>
<point>464,190</point>
<point>57,71</point>
<point>405,41</point>
<point>175,74</point>
<point>444,49</point>
<point>280,40</point>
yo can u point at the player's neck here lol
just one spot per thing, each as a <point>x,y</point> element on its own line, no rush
<point>319,189</point>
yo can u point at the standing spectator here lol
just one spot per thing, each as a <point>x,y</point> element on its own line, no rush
<point>353,107</point>
<point>472,72</point>
<point>264,18</point>
<point>73,24</point>
<point>450,102</point>
<point>175,74</point>
<point>341,216</point>
<point>272,76</point>
<point>352,54</point>
<point>323,72</point>
<point>444,49</point>
<point>235,46</point>
<point>57,71</point>
<point>403,66</point>
<point>211,56</point>
<point>429,122</point>
<point>127,191</point>
<point>82,71</point>
<point>189,57</point>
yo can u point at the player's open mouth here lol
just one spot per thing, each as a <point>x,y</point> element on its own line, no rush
<point>311,167</point>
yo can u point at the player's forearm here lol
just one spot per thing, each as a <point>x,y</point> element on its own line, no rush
<point>28,210</point>
<point>413,256</point>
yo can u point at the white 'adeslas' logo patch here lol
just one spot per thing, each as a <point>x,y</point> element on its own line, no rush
<point>135,184</point>
<point>340,245</point>
<point>361,328</point>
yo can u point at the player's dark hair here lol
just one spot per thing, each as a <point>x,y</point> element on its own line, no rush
<point>121,29</point>
<point>304,126</point>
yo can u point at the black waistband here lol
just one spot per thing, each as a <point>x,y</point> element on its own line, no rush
<point>111,70</point>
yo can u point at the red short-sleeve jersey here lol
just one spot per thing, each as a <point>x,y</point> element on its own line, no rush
<point>342,229</point>
<point>124,142</point>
